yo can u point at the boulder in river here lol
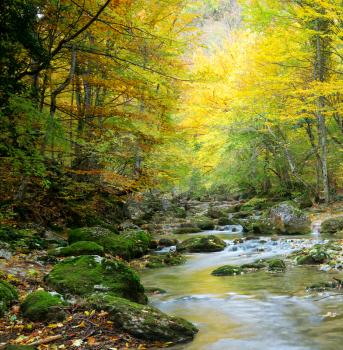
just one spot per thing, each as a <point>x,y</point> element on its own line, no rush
<point>224,220</point>
<point>276,265</point>
<point>289,219</point>
<point>317,255</point>
<point>187,227</point>
<point>204,223</point>
<point>90,273</point>
<point>165,259</point>
<point>128,245</point>
<point>227,270</point>
<point>143,321</point>
<point>332,225</point>
<point>200,244</point>
<point>167,242</point>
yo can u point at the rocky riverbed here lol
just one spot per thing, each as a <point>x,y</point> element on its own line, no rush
<point>229,274</point>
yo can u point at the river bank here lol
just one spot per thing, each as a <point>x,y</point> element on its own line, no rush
<point>240,311</point>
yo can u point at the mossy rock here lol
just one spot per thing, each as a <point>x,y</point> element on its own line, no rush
<point>224,220</point>
<point>141,321</point>
<point>323,286</point>
<point>276,265</point>
<point>87,274</point>
<point>332,225</point>
<point>260,226</point>
<point>289,219</point>
<point>8,294</point>
<point>167,242</point>
<point>165,259</point>
<point>43,306</point>
<point>204,223</point>
<point>305,260</point>
<point>242,214</point>
<point>78,248</point>
<point>316,255</point>
<point>227,270</point>
<point>233,208</point>
<point>200,244</point>
<point>214,213</point>
<point>256,203</point>
<point>187,229</point>
<point>128,245</point>
<point>256,265</point>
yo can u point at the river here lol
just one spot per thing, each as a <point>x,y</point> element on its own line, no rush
<point>257,311</point>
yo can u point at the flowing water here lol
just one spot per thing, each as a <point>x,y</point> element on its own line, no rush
<point>257,311</point>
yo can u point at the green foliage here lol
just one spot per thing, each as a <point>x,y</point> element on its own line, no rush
<point>20,134</point>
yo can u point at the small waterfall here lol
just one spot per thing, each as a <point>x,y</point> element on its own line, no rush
<point>315,228</point>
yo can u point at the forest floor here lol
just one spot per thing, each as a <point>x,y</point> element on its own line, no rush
<point>83,328</point>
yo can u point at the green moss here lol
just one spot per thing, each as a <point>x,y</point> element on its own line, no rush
<point>323,286</point>
<point>86,274</point>
<point>141,321</point>
<point>78,248</point>
<point>226,221</point>
<point>332,225</point>
<point>128,245</point>
<point>204,223</point>
<point>185,230</point>
<point>165,259</point>
<point>305,260</point>
<point>180,213</point>
<point>227,270</point>
<point>167,242</point>
<point>256,203</point>
<point>200,244</point>
<point>317,255</point>
<point>276,265</point>
<point>256,265</point>
<point>215,213</point>
<point>43,306</point>
<point>8,294</point>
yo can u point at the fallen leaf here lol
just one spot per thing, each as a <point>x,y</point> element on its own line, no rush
<point>77,342</point>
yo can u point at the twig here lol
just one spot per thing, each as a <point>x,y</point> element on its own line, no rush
<point>46,340</point>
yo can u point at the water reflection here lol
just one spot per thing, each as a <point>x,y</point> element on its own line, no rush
<point>258,311</point>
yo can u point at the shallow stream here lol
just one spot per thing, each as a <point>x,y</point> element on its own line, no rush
<point>257,311</point>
